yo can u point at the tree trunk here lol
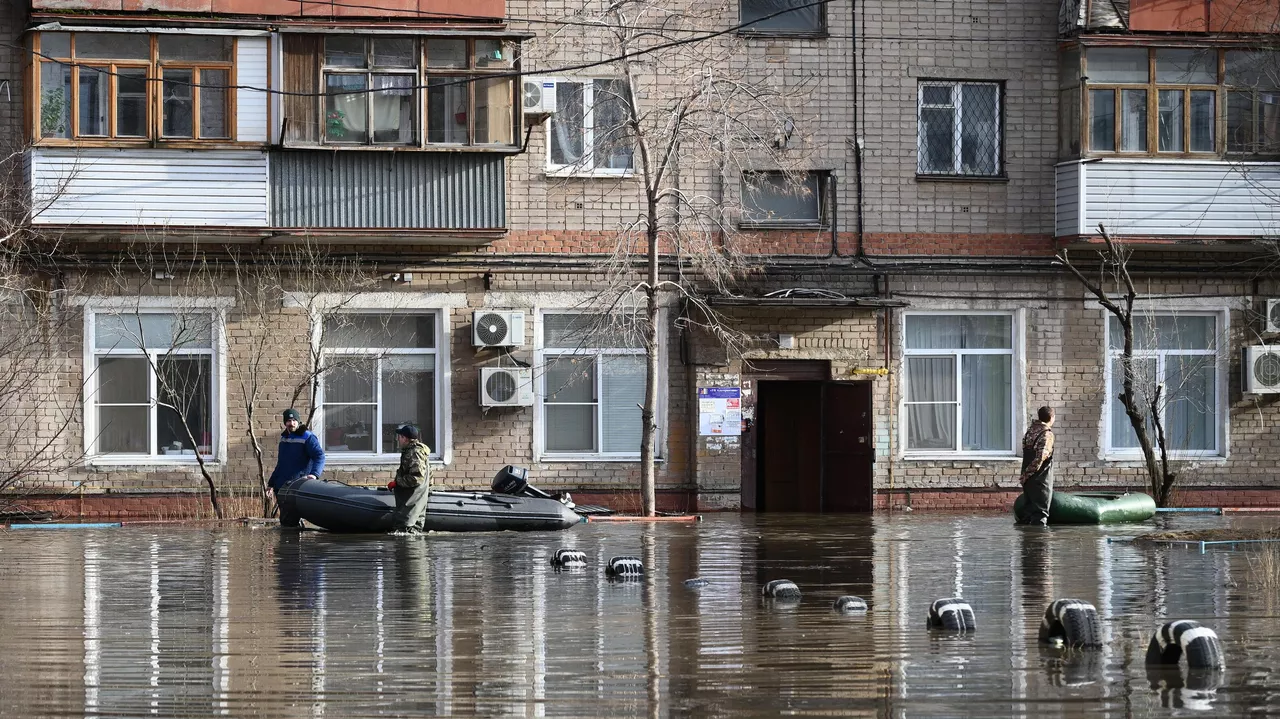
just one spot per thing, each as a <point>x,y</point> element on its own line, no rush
<point>649,412</point>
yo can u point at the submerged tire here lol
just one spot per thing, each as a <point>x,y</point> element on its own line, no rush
<point>953,615</point>
<point>625,567</point>
<point>568,558</point>
<point>783,589</point>
<point>1199,644</point>
<point>851,605</point>
<point>1073,621</point>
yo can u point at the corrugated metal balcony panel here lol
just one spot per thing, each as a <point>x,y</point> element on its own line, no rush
<point>412,190</point>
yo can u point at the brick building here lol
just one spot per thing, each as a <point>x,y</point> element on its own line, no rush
<point>906,311</point>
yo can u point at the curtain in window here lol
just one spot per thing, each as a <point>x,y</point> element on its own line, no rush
<point>623,393</point>
<point>979,129</point>
<point>931,382</point>
<point>1144,385</point>
<point>570,404</point>
<point>1191,402</point>
<point>987,402</point>
<point>611,143</point>
<point>567,141</point>
<point>802,19</point>
<point>393,108</point>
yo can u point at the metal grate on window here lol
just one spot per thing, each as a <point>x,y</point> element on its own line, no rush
<point>959,129</point>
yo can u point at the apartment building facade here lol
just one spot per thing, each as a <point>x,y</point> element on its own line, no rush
<point>904,305</point>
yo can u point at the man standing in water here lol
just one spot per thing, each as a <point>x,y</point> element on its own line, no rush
<point>412,484</point>
<point>1037,477</point>
<point>300,455</point>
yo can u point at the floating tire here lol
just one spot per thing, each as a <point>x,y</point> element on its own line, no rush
<point>851,605</point>
<point>952,615</point>
<point>695,583</point>
<point>783,589</point>
<point>1073,621</point>
<point>568,558</point>
<point>625,567</point>
<point>1173,641</point>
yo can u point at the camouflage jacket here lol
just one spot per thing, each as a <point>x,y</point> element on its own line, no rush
<point>414,469</point>
<point>1037,449</point>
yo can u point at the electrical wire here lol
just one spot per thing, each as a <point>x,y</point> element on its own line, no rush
<point>709,35</point>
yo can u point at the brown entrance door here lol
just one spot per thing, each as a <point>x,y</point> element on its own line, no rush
<point>814,446</point>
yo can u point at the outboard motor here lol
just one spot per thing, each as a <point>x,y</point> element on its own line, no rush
<point>511,480</point>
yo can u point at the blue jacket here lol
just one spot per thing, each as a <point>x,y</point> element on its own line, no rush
<point>300,455</point>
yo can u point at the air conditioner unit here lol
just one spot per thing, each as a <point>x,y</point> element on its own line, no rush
<point>1261,369</point>
<point>497,329</point>
<point>539,96</point>
<point>506,387</point>
<point>1273,316</point>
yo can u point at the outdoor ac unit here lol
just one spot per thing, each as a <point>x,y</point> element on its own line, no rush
<point>497,329</point>
<point>506,387</point>
<point>1273,316</point>
<point>1261,370</point>
<point>539,95</point>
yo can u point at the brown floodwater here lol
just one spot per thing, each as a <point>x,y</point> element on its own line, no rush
<point>240,621</point>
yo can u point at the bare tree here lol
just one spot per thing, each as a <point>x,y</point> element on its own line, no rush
<point>1146,394</point>
<point>689,119</point>
<point>321,285</point>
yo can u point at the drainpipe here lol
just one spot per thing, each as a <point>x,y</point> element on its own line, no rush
<point>860,251</point>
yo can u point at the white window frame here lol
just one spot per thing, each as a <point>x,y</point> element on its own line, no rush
<point>379,354</point>
<point>957,128</point>
<point>217,352</point>
<point>1017,352</point>
<point>586,166</point>
<point>1221,319</point>
<point>543,353</point>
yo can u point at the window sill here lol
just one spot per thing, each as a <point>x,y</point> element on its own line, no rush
<point>552,458</point>
<point>356,461</point>
<point>147,462</point>
<point>441,147</point>
<point>767,226</point>
<point>1136,460</point>
<point>569,173</point>
<point>131,144</point>
<point>989,179</point>
<point>749,34</point>
<point>959,457</point>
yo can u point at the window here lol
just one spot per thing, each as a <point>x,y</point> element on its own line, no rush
<point>592,386</point>
<point>1180,353</point>
<point>380,371</point>
<point>107,86</point>
<point>959,129</point>
<point>353,66</point>
<point>959,383</point>
<point>1253,102</point>
<point>783,17</point>
<point>399,91</point>
<point>151,385</point>
<point>589,133</point>
<point>1152,100</point>
<point>776,199</point>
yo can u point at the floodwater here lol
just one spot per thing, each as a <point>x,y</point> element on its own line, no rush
<point>239,621</point>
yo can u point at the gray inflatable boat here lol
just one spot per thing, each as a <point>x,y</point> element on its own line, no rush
<point>512,506</point>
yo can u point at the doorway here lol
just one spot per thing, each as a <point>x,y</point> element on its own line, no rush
<point>814,449</point>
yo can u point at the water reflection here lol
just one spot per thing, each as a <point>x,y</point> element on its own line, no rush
<point>241,621</point>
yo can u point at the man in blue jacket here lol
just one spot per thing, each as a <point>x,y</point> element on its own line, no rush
<point>300,455</point>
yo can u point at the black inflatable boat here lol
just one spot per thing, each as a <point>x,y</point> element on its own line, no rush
<point>513,505</point>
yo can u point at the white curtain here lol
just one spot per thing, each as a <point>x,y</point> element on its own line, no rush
<point>986,399</point>
<point>623,393</point>
<point>931,380</point>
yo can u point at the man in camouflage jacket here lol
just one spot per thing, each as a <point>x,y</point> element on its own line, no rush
<point>412,484</point>
<point>1036,477</point>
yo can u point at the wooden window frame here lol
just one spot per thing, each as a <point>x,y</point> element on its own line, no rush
<point>472,73</point>
<point>1153,89</point>
<point>368,71</point>
<point>154,100</point>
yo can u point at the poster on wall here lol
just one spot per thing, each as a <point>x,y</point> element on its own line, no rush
<point>720,411</point>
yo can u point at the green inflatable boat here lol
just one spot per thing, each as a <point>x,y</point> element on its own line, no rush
<point>1097,507</point>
